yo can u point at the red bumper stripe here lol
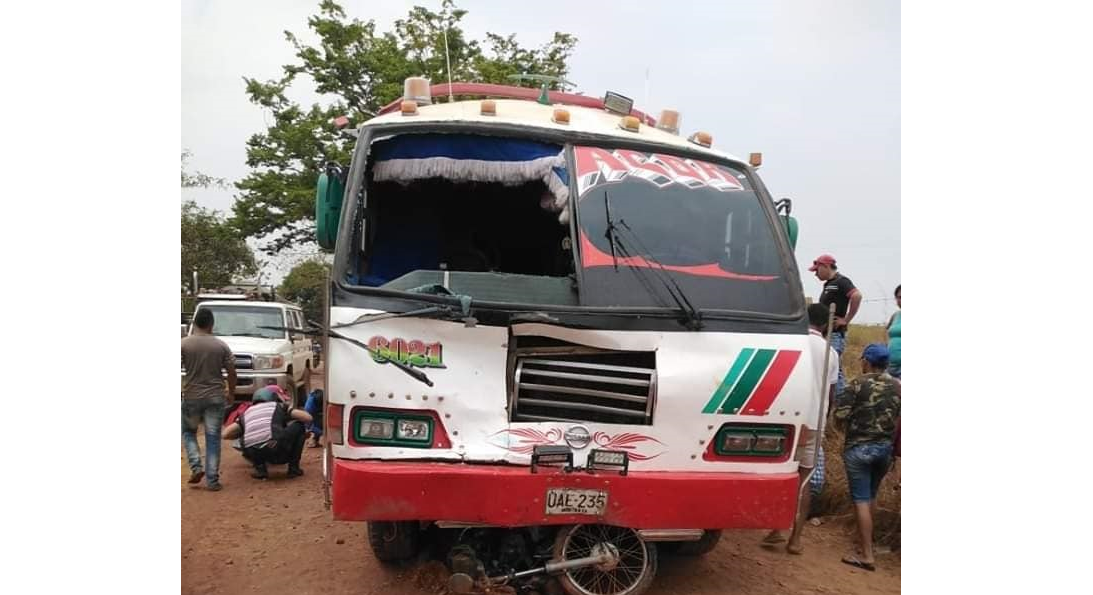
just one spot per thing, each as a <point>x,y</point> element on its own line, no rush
<point>512,496</point>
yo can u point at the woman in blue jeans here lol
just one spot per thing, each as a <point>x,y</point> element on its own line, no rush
<point>869,414</point>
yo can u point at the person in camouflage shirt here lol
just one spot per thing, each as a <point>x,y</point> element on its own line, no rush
<point>869,415</point>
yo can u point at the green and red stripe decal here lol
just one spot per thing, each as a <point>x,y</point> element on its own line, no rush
<point>753,381</point>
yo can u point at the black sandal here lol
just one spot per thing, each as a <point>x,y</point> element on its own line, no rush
<point>855,562</point>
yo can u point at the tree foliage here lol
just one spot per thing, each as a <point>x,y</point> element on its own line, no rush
<point>304,285</point>
<point>212,247</point>
<point>360,70</point>
<point>197,179</point>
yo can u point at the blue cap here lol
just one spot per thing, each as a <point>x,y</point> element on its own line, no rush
<point>876,354</point>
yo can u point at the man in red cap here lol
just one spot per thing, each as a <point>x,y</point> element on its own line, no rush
<point>840,290</point>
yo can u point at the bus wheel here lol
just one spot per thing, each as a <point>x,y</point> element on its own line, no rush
<point>630,572</point>
<point>703,546</point>
<point>392,541</point>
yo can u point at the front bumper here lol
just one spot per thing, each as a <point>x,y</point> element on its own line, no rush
<point>510,496</point>
<point>248,382</point>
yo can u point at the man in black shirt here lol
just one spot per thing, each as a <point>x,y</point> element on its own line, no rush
<point>840,290</point>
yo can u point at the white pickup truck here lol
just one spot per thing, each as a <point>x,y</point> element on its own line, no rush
<point>264,356</point>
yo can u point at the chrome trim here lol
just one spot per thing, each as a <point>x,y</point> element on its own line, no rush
<point>671,534</point>
<point>565,364</point>
<point>584,406</point>
<point>589,377</point>
<point>587,392</point>
<point>460,525</point>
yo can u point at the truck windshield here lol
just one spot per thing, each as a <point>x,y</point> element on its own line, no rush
<point>699,223</point>
<point>246,321</point>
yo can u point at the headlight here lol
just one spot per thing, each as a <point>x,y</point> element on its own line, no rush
<point>413,429</point>
<point>737,441</point>
<point>377,429</point>
<point>769,443</point>
<point>268,362</point>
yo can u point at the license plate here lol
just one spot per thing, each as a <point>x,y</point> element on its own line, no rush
<point>566,501</point>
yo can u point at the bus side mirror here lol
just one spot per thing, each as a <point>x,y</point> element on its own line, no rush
<point>791,230</point>
<point>329,191</point>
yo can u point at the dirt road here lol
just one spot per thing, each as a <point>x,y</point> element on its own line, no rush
<point>275,537</point>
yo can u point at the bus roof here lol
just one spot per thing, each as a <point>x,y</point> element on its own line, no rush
<point>536,115</point>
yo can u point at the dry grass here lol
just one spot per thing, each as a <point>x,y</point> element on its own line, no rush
<point>835,498</point>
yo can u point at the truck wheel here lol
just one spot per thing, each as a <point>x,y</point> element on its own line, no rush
<point>701,547</point>
<point>393,541</point>
<point>302,389</point>
<point>630,572</point>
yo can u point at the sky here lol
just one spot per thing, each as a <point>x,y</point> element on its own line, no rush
<point>813,86</point>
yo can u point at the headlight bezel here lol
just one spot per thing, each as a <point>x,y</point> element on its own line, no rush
<point>362,416</point>
<point>752,433</point>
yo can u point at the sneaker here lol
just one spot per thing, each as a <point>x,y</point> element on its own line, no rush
<point>195,476</point>
<point>295,471</point>
<point>260,472</point>
<point>215,487</point>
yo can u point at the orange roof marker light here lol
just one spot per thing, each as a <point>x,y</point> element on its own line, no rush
<point>630,123</point>
<point>704,139</point>
<point>669,121</point>
<point>416,88</point>
<point>489,107</point>
<point>409,107</point>
<point>755,159</point>
<point>561,116</point>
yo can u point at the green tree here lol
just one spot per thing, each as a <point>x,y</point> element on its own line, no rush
<point>304,285</point>
<point>361,70</point>
<point>197,179</point>
<point>212,247</point>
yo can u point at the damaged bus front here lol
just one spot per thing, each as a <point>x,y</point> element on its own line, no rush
<point>563,323</point>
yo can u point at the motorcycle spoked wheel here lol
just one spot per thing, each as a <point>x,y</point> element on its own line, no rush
<point>632,574</point>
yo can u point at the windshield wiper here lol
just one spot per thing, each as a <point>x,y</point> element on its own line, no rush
<point>259,335</point>
<point>610,233</point>
<point>693,316</point>
<point>320,330</point>
<point>430,311</point>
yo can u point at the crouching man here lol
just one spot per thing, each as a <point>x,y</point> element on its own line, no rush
<point>273,433</point>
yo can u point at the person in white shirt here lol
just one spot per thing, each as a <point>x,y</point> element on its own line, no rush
<point>810,452</point>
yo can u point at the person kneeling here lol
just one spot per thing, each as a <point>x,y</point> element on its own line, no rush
<point>273,433</point>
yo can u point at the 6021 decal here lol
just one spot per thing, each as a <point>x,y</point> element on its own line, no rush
<point>410,352</point>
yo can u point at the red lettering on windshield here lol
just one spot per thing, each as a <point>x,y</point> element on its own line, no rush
<point>599,166</point>
<point>592,163</point>
<point>644,169</point>
<point>715,177</point>
<point>681,172</point>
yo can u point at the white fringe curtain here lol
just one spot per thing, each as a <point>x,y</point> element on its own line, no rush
<point>475,170</point>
